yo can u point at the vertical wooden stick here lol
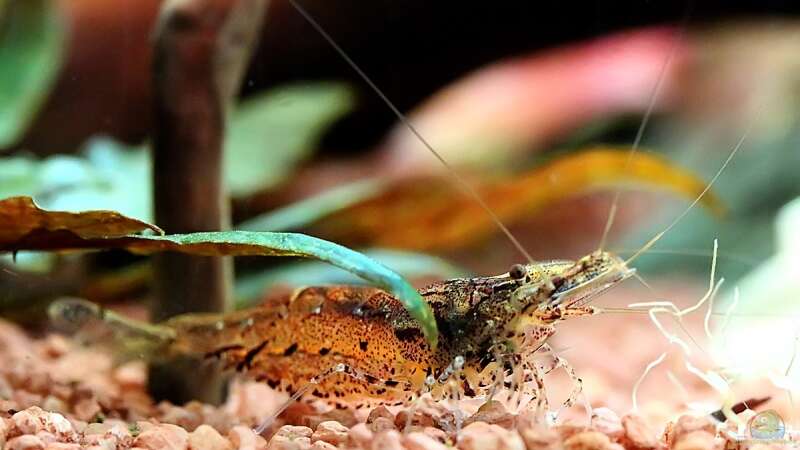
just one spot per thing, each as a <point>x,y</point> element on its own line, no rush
<point>201,51</point>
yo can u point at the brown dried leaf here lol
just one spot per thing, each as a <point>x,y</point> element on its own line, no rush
<point>24,225</point>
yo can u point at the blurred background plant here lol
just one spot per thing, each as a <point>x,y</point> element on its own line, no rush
<point>499,91</point>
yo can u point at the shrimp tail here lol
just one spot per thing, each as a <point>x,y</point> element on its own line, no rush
<point>196,336</point>
<point>126,338</point>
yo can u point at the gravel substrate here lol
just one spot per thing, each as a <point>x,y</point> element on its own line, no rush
<point>54,395</point>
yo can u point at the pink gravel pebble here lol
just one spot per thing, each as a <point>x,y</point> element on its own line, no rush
<point>421,441</point>
<point>387,440</point>
<point>541,438</point>
<point>34,419</point>
<point>359,435</point>
<point>244,438</point>
<point>481,435</point>
<point>322,445</point>
<point>163,437</point>
<point>62,446</point>
<point>637,433</point>
<point>331,432</point>
<point>25,442</point>
<point>607,422</point>
<point>696,440</point>
<point>590,440</point>
<point>205,437</point>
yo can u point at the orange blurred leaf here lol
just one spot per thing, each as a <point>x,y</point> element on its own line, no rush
<point>433,213</point>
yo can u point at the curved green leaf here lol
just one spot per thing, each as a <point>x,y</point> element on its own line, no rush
<point>255,243</point>
<point>249,288</point>
<point>24,226</point>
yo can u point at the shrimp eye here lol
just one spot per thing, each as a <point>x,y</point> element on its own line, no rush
<point>517,271</point>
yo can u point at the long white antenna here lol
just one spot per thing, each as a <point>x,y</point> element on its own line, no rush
<point>612,211</point>
<point>659,235</point>
<point>407,123</point>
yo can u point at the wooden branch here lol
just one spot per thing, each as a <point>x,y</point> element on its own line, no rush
<point>201,50</point>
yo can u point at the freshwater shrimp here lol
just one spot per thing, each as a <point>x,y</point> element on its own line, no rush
<point>358,346</point>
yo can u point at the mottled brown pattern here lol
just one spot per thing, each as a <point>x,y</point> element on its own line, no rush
<point>380,351</point>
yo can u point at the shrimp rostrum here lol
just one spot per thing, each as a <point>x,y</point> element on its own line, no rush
<point>359,346</point>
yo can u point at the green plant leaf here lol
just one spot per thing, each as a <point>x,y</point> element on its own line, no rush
<point>107,175</point>
<point>307,211</point>
<point>32,36</point>
<point>249,288</point>
<point>24,226</point>
<point>271,133</point>
<point>268,136</point>
<point>254,243</point>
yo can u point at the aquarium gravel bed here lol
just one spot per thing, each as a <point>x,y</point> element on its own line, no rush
<point>57,395</point>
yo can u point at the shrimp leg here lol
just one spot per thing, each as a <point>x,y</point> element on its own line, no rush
<point>577,382</point>
<point>341,368</point>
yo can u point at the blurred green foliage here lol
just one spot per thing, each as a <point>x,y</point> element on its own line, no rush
<point>107,175</point>
<point>759,181</point>
<point>32,38</point>
<point>273,132</point>
<point>269,135</point>
<point>307,211</point>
